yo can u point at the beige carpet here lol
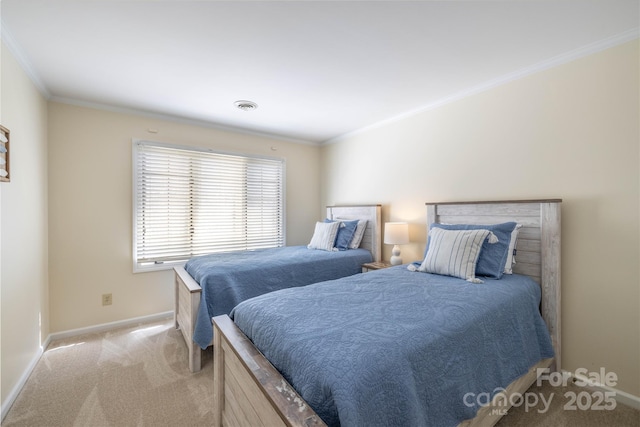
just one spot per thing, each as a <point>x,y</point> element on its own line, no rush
<point>138,376</point>
<point>564,412</point>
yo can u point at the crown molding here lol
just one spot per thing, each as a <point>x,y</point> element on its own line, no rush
<point>25,64</point>
<point>555,61</point>
<point>16,51</point>
<point>178,119</point>
<point>552,62</point>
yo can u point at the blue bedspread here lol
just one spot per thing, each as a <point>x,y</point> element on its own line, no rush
<point>398,348</point>
<point>227,279</point>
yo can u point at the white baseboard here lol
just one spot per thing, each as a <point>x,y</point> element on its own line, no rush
<point>111,325</point>
<point>13,394</point>
<point>622,397</point>
<point>8,402</point>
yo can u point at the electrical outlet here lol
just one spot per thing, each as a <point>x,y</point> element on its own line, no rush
<point>107,299</point>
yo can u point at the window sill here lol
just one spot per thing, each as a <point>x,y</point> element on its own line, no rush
<point>147,268</point>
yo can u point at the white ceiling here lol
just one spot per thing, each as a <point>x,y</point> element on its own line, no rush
<point>316,69</point>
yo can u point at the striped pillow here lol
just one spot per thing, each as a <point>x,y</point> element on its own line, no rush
<point>454,252</point>
<point>324,236</point>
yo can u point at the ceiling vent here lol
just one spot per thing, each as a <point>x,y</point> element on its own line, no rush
<point>246,105</point>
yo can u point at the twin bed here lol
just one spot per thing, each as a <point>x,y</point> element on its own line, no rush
<point>214,284</point>
<point>399,346</point>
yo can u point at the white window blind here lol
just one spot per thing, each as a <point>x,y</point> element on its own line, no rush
<point>191,202</point>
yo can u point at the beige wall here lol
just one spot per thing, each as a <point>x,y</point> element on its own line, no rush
<point>571,132</point>
<point>23,227</point>
<point>90,208</point>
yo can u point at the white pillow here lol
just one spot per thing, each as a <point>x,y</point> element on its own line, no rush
<point>359,233</point>
<point>324,236</point>
<point>511,259</point>
<point>454,252</point>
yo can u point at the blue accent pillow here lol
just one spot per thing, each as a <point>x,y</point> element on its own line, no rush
<point>345,233</point>
<point>492,255</point>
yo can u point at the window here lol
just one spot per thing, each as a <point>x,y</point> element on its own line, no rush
<point>190,201</point>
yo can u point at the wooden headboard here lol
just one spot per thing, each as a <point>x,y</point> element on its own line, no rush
<point>537,250</point>
<point>372,239</point>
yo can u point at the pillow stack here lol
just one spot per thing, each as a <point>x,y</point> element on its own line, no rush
<point>338,235</point>
<point>469,250</point>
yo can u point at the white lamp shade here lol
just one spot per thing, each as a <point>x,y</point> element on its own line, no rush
<point>396,233</point>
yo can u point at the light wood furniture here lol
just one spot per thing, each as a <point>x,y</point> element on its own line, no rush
<point>186,305</point>
<point>247,378</point>
<point>249,390</point>
<point>376,265</point>
<point>538,247</point>
<point>372,239</point>
<point>188,291</point>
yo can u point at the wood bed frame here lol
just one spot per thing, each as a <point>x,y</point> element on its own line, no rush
<point>188,291</point>
<point>248,390</point>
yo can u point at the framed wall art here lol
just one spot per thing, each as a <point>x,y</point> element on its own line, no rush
<point>4,154</point>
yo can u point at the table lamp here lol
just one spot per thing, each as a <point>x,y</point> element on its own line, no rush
<point>396,233</point>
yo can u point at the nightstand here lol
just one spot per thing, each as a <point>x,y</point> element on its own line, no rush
<point>370,266</point>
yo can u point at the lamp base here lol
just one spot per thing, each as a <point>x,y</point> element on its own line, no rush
<point>395,256</point>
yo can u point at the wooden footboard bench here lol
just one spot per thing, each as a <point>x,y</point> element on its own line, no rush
<point>187,301</point>
<point>248,390</point>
